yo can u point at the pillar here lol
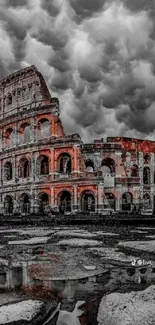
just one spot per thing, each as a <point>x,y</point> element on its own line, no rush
<point>75,200</point>
<point>118,204</point>
<point>52,167</point>
<point>100,197</point>
<point>52,195</point>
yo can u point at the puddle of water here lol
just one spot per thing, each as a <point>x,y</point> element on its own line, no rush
<point>70,318</point>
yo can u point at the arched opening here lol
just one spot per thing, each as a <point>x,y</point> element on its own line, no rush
<point>134,171</point>
<point>127,200</point>
<point>25,133</point>
<point>44,201</point>
<point>87,201</point>
<point>42,165</point>
<point>146,175</point>
<point>154,203</point>
<point>89,166</point>
<point>44,128</point>
<point>110,200</point>
<point>8,205</point>
<point>146,201</point>
<point>25,203</point>
<point>9,137</point>
<point>65,201</point>
<point>9,99</point>
<point>24,168</point>
<point>8,171</point>
<point>65,164</point>
<point>108,166</point>
<point>146,158</point>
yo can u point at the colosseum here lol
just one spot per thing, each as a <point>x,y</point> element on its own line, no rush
<point>41,166</point>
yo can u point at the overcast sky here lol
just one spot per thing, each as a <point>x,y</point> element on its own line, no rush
<point>97,57</point>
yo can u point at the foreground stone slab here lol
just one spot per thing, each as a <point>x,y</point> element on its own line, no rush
<point>134,308</point>
<point>20,311</point>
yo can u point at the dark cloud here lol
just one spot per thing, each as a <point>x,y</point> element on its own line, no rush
<point>97,56</point>
<point>52,7</point>
<point>51,37</point>
<point>136,5</point>
<point>16,3</point>
<point>86,8</point>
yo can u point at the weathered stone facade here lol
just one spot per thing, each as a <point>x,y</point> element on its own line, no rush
<point>41,166</point>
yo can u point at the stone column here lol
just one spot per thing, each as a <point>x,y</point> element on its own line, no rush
<point>100,196</point>
<point>52,195</point>
<point>52,167</point>
<point>75,202</point>
<point>32,130</point>
<point>118,204</point>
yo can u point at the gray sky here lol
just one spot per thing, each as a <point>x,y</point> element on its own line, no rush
<point>97,57</point>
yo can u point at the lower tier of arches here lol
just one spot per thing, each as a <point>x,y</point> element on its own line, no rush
<point>73,198</point>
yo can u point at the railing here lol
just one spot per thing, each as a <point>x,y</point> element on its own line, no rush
<point>63,176</point>
<point>128,180</point>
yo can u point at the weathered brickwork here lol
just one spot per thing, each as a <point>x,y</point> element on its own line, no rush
<point>40,166</point>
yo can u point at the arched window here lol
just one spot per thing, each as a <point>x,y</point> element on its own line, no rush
<point>108,166</point>
<point>134,171</point>
<point>42,165</point>
<point>25,133</point>
<point>10,138</point>
<point>8,171</point>
<point>146,201</point>
<point>65,164</point>
<point>146,158</point>
<point>89,166</point>
<point>44,128</point>
<point>24,168</point>
<point>44,201</point>
<point>110,200</point>
<point>127,200</point>
<point>9,99</point>
<point>65,201</point>
<point>87,201</point>
<point>8,205</point>
<point>25,203</point>
<point>146,175</point>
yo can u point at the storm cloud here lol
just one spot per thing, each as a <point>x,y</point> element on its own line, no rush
<point>97,57</point>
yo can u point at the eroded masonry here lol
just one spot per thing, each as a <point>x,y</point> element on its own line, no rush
<point>40,166</point>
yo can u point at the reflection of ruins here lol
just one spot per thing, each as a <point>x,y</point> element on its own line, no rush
<point>41,166</point>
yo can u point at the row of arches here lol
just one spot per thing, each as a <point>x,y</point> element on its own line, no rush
<point>108,167</point>
<point>65,200</point>
<point>24,168</point>
<point>25,133</point>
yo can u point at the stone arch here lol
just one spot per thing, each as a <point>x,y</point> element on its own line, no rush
<point>89,165</point>
<point>42,165</point>
<point>134,171</point>
<point>8,171</point>
<point>127,199</point>
<point>146,158</point>
<point>44,128</point>
<point>110,200</point>
<point>65,201</point>
<point>146,175</point>
<point>44,201</point>
<point>146,201</point>
<point>24,202</point>
<point>154,203</point>
<point>65,163</point>
<point>9,137</point>
<point>8,204</point>
<point>108,166</point>
<point>87,201</point>
<point>25,133</point>
<point>24,168</point>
